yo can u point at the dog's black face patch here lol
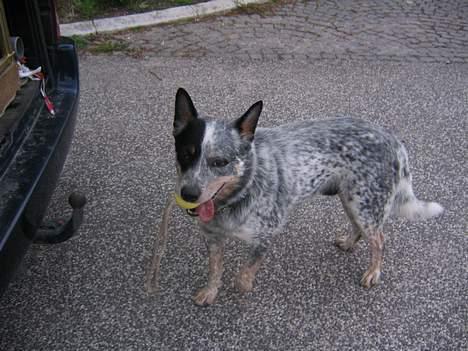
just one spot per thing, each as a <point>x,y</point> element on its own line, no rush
<point>188,143</point>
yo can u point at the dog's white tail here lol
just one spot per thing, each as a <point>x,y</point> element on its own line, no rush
<point>419,210</point>
<point>408,206</point>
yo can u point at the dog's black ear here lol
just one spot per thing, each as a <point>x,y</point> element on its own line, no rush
<point>184,111</point>
<point>248,122</point>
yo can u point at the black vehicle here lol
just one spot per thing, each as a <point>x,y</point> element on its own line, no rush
<point>37,119</point>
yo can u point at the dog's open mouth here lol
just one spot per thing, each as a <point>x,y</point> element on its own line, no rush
<point>206,210</point>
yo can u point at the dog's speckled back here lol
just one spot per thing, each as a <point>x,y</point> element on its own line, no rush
<point>296,161</point>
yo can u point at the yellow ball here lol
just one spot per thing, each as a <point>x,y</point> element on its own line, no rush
<point>185,204</point>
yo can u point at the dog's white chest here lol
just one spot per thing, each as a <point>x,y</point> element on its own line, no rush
<point>231,229</point>
<point>244,234</point>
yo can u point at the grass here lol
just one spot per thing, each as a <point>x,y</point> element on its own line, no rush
<point>109,47</point>
<point>183,2</point>
<point>262,9</point>
<point>105,44</point>
<point>86,7</point>
<point>81,42</point>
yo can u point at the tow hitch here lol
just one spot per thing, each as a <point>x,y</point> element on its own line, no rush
<point>59,230</point>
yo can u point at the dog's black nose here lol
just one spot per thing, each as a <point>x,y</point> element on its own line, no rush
<point>190,193</point>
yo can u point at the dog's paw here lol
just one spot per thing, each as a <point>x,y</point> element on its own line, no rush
<point>205,296</point>
<point>370,278</point>
<point>244,281</point>
<point>345,243</point>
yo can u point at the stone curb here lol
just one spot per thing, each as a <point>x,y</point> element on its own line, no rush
<point>153,17</point>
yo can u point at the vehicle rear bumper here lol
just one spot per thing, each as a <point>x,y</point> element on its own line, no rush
<point>29,180</point>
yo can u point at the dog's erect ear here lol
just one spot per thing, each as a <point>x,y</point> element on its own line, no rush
<point>248,122</point>
<point>184,111</point>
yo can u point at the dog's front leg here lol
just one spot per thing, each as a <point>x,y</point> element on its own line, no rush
<point>246,276</point>
<point>207,295</point>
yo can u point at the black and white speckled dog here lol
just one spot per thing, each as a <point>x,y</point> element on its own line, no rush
<point>246,180</point>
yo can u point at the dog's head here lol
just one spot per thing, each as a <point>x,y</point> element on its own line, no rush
<point>215,158</point>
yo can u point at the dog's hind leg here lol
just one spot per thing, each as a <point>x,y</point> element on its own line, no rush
<point>348,241</point>
<point>207,295</point>
<point>368,225</point>
<point>246,276</point>
<point>376,243</point>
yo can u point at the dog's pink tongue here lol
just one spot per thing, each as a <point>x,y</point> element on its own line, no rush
<point>206,211</point>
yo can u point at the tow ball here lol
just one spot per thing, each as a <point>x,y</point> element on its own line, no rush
<point>59,230</point>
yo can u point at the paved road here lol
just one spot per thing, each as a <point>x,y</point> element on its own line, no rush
<point>87,293</point>
<point>380,30</point>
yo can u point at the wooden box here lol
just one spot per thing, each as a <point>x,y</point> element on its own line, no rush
<point>9,78</point>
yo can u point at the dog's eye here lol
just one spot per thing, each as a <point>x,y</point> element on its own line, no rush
<point>186,156</point>
<point>188,153</point>
<point>218,162</point>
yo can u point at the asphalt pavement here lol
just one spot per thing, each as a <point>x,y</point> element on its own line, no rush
<point>88,293</point>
